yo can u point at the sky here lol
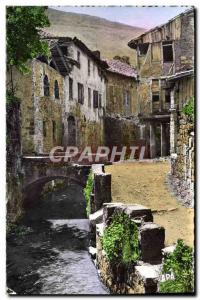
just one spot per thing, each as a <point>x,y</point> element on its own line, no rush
<point>145,17</point>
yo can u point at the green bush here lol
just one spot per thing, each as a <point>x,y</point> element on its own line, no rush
<point>87,191</point>
<point>120,240</point>
<point>180,263</point>
<point>188,109</point>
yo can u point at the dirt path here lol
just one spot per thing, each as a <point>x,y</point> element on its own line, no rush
<point>145,183</point>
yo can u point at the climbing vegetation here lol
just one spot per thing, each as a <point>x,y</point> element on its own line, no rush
<point>87,191</point>
<point>180,264</point>
<point>188,109</point>
<point>120,240</point>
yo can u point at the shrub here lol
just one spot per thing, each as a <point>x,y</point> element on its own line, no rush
<point>188,109</point>
<point>120,240</point>
<point>87,191</point>
<point>180,263</point>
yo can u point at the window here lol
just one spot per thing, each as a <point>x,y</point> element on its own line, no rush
<point>56,89</point>
<point>46,86</point>
<point>167,51</point>
<point>88,67</point>
<point>70,88</point>
<point>100,100</point>
<point>126,98</point>
<point>44,129</point>
<point>54,130</point>
<point>78,57</point>
<point>143,48</point>
<point>80,93</point>
<point>89,97</point>
<point>155,97</point>
<point>167,96</point>
<point>95,99</point>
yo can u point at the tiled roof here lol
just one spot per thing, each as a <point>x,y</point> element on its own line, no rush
<point>119,67</point>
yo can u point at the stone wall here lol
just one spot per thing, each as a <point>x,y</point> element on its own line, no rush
<point>143,276</point>
<point>13,160</point>
<point>182,162</point>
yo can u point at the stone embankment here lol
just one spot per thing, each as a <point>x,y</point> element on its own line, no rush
<point>143,276</point>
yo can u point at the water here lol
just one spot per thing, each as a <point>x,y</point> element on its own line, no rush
<point>49,255</point>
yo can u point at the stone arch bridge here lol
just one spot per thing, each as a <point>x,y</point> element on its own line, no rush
<point>39,170</point>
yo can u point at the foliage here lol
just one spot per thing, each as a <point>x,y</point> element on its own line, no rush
<point>23,39</point>
<point>188,109</point>
<point>10,97</point>
<point>19,230</point>
<point>120,240</point>
<point>180,263</point>
<point>87,191</point>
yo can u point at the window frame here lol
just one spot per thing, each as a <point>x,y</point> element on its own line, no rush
<point>166,44</point>
<point>80,93</point>
<point>95,99</point>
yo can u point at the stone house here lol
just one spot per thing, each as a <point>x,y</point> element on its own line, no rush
<point>62,98</point>
<point>161,52</point>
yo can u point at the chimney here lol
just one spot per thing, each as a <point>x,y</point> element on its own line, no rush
<point>97,53</point>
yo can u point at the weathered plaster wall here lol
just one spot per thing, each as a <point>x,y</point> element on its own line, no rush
<point>88,120</point>
<point>47,109</point>
<point>116,87</point>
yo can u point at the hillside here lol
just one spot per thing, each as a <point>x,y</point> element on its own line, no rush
<point>110,38</point>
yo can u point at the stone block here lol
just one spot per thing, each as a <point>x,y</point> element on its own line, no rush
<point>110,209</point>
<point>152,237</point>
<point>102,189</point>
<point>95,219</point>
<point>149,275</point>
<point>139,212</point>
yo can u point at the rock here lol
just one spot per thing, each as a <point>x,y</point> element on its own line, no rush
<point>152,237</point>
<point>168,250</point>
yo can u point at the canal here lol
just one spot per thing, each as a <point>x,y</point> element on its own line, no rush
<point>47,253</point>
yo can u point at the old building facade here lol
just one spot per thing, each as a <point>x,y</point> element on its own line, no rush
<point>85,97</point>
<point>161,52</point>
<point>121,122</point>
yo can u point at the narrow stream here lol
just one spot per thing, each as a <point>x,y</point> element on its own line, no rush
<point>49,253</point>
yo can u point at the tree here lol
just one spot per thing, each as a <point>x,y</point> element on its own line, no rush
<point>23,39</point>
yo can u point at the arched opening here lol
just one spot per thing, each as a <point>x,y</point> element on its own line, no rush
<point>55,196</point>
<point>71,131</point>
<point>56,90</point>
<point>46,86</point>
